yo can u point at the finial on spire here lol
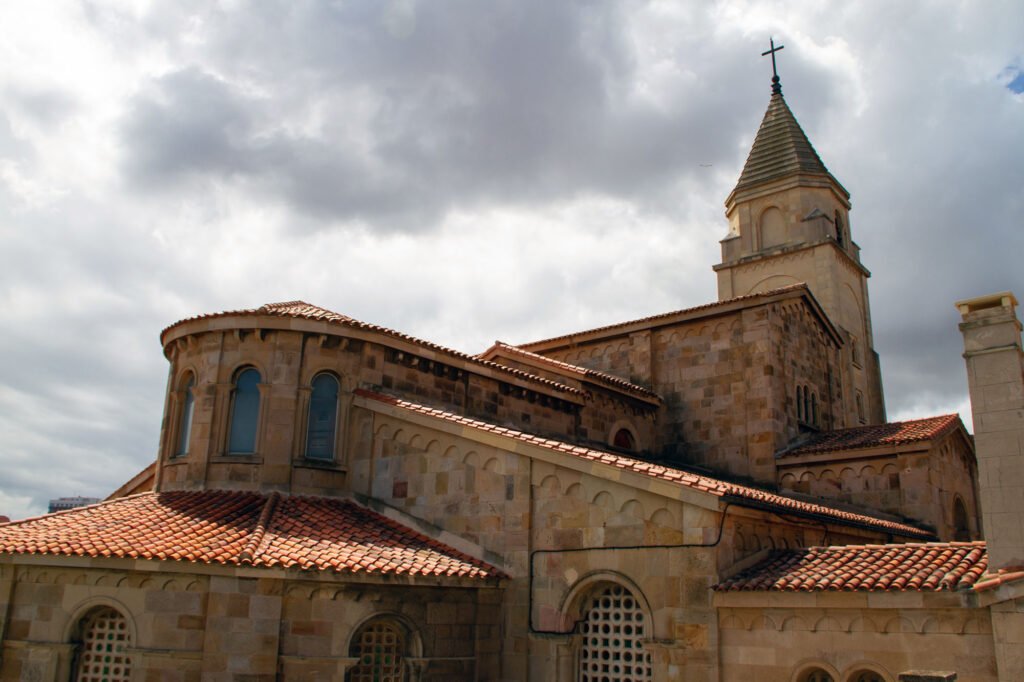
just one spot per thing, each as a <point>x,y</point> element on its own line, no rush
<point>776,86</point>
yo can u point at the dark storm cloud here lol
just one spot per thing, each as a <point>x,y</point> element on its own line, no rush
<point>449,104</point>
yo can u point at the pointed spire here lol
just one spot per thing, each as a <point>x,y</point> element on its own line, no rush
<point>781,148</point>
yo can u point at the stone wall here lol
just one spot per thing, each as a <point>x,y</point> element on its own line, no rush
<point>776,637</point>
<point>190,622</point>
<point>289,360</point>
<point>729,382</point>
<point>575,528</point>
<point>920,482</point>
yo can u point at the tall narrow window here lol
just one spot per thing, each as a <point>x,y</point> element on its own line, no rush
<point>814,410</point>
<point>245,412</point>
<point>962,531</point>
<point>379,646</point>
<point>103,656</point>
<point>612,634</point>
<point>185,427</point>
<point>323,415</point>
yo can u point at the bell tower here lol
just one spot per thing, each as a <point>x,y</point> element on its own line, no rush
<point>789,223</point>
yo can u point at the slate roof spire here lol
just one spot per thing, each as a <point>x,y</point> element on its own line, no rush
<point>781,149</point>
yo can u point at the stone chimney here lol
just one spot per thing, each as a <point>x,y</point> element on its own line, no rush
<point>995,375</point>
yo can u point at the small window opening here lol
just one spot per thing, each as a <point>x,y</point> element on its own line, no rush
<point>962,530</point>
<point>860,407</point>
<point>102,656</point>
<point>624,439</point>
<point>245,411</point>
<point>612,634</point>
<point>379,648</point>
<point>816,675</point>
<point>185,427</point>
<point>866,676</point>
<point>814,409</point>
<point>323,414</point>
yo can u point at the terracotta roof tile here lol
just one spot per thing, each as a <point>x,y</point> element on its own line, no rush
<point>912,566</point>
<point>307,311</point>
<point>991,581</point>
<point>892,433</point>
<point>739,494</point>
<point>593,374</point>
<point>241,528</point>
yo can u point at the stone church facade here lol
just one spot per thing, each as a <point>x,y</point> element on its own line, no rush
<point>707,494</point>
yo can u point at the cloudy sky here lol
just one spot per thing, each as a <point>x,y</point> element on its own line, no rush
<point>463,171</point>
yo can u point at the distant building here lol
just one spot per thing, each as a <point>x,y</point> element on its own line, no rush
<point>63,503</point>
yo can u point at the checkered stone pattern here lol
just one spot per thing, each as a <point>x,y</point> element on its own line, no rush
<point>379,649</point>
<point>612,635</point>
<point>104,640</point>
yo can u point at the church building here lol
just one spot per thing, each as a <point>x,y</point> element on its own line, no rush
<point>711,494</point>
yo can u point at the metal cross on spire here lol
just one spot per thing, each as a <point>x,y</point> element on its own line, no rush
<point>776,87</point>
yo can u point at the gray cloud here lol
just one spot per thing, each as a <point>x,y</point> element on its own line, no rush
<point>462,171</point>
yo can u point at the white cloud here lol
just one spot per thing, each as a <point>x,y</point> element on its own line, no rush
<point>461,172</point>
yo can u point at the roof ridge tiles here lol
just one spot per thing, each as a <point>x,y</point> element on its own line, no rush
<point>740,494</point>
<point>576,369</point>
<point>873,435</point>
<point>682,311</point>
<point>301,310</point>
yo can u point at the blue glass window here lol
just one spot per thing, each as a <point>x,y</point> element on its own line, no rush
<point>323,413</point>
<point>245,411</point>
<point>185,429</point>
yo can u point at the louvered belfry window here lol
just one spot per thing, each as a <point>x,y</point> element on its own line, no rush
<point>379,647</point>
<point>613,631</point>
<point>103,656</point>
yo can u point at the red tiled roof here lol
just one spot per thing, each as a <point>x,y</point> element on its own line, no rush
<point>241,528</point>
<point>893,433</point>
<point>593,374</point>
<point>913,566</point>
<point>307,311</point>
<point>653,318</point>
<point>739,494</point>
<point>1000,577</point>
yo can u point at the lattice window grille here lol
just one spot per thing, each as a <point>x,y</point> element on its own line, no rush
<point>379,648</point>
<point>613,631</point>
<point>103,657</point>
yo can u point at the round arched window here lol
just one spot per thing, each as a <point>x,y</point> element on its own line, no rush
<point>816,675</point>
<point>612,631</point>
<point>245,411</point>
<point>624,439</point>
<point>323,414</point>
<point>103,653</point>
<point>380,648</point>
<point>866,676</point>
